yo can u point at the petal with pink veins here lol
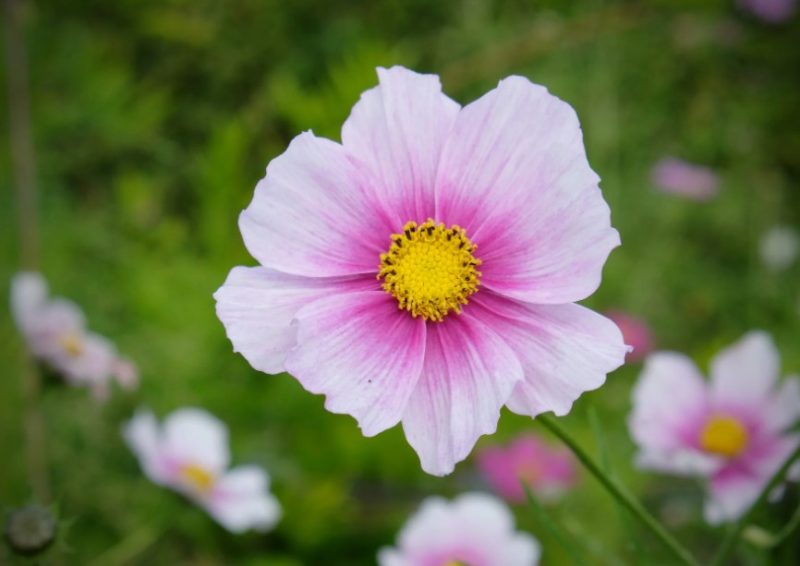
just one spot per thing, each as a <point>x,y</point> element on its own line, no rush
<point>397,130</point>
<point>315,213</point>
<point>565,350</point>
<point>469,374</point>
<point>362,353</point>
<point>514,175</point>
<point>257,307</point>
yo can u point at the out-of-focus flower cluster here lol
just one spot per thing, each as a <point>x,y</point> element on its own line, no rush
<point>56,333</point>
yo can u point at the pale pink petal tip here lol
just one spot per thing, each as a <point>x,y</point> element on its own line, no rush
<point>732,430</point>
<point>695,182</point>
<point>189,454</point>
<point>474,528</point>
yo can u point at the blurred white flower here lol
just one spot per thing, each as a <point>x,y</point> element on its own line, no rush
<point>189,453</point>
<point>779,247</point>
<point>475,529</point>
<point>55,332</point>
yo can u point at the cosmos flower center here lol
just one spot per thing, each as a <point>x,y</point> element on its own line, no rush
<point>72,344</point>
<point>430,269</point>
<point>724,435</point>
<point>198,478</point>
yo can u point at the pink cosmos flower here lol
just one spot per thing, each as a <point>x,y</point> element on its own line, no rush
<point>55,330</point>
<point>732,430</point>
<point>679,177</point>
<point>771,11</point>
<point>474,529</point>
<point>547,470</point>
<point>635,332</point>
<point>189,454</point>
<point>424,270</point>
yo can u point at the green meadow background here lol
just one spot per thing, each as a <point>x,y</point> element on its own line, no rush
<point>152,122</point>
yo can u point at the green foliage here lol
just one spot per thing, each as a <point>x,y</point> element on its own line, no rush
<point>153,122</point>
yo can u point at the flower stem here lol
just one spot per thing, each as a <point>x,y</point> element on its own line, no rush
<point>558,534</point>
<point>729,543</point>
<point>24,176</point>
<point>619,494</point>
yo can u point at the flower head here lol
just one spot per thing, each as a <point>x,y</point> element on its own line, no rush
<point>424,270</point>
<point>770,11</point>
<point>635,332</point>
<point>474,529</point>
<point>189,453</point>
<point>55,330</point>
<point>679,177</point>
<point>547,470</point>
<point>733,430</point>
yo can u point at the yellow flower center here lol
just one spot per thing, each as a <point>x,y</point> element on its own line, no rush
<point>430,269</point>
<point>198,478</point>
<point>723,435</point>
<point>72,344</point>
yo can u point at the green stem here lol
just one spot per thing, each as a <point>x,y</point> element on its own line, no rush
<point>619,494</point>
<point>563,539</point>
<point>128,548</point>
<point>729,543</point>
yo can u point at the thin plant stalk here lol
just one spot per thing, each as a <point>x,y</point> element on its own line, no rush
<point>619,494</point>
<point>23,165</point>
<point>558,534</point>
<point>729,543</point>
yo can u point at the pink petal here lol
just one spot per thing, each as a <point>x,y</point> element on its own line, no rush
<point>746,373</point>
<point>730,495</point>
<point>474,529</point>
<point>397,131</point>
<point>679,177</point>
<point>785,406</point>
<point>468,376</point>
<point>241,501</point>
<point>195,436</point>
<point>361,352</point>
<point>565,350</point>
<point>313,213</point>
<point>28,296</point>
<point>670,407</point>
<point>142,436</point>
<point>257,307</point>
<point>514,175</point>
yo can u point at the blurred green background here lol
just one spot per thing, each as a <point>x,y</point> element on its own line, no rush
<point>153,120</point>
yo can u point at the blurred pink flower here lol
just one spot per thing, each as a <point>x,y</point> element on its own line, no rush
<point>771,11</point>
<point>55,331</point>
<point>425,270</point>
<point>189,454</point>
<point>547,470</point>
<point>679,177</point>
<point>733,430</point>
<point>635,332</point>
<point>474,529</point>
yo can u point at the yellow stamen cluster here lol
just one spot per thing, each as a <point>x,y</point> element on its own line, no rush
<point>200,479</point>
<point>72,344</point>
<point>724,435</point>
<point>430,269</point>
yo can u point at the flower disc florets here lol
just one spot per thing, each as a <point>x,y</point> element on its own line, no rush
<point>430,269</point>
